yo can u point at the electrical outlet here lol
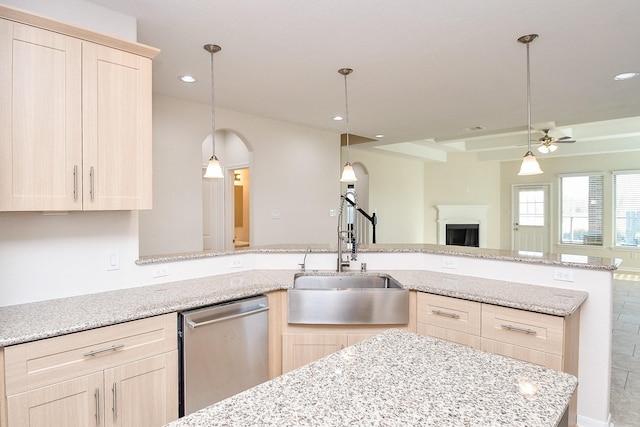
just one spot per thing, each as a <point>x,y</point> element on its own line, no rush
<point>450,263</point>
<point>161,271</point>
<point>235,263</point>
<point>333,212</point>
<point>563,274</point>
<point>275,214</point>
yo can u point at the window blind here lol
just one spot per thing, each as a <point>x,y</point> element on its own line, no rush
<point>626,188</point>
<point>581,209</point>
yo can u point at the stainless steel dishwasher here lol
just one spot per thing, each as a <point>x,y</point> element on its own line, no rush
<point>223,351</point>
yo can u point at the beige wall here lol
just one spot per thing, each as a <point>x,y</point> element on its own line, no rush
<point>553,167</point>
<point>462,180</point>
<point>396,195</point>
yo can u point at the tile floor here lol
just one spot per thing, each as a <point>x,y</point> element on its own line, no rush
<point>625,358</point>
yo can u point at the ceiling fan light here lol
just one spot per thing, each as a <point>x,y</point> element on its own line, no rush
<point>543,149</point>
<point>552,148</point>
<point>529,165</point>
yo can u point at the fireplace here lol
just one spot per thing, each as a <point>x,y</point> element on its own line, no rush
<point>462,225</point>
<point>462,235</point>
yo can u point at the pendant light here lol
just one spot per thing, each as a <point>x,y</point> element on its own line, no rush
<point>529,165</point>
<point>348,174</point>
<point>214,170</point>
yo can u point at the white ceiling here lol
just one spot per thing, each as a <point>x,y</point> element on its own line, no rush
<point>424,70</point>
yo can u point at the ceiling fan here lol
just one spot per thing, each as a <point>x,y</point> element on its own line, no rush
<point>548,143</point>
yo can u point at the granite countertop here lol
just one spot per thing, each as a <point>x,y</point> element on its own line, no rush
<point>39,320</point>
<point>400,378</point>
<point>567,260</point>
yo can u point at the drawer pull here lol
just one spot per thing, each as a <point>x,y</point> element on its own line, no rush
<point>104,350</point>
<point>446,314</point>
<point>517,329</point>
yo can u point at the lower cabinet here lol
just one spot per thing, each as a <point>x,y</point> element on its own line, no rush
<point>449,319</point>
<point>123,375</point>
<point>538,338</point>
<point>299,349</point>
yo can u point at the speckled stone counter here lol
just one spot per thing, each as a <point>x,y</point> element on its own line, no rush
<point>29,322</point>
<point>559,259</point>
<point>399,378</point>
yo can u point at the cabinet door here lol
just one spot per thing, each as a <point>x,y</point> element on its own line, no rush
<point>298,349</point>
<point>73,403</point>
<point>142,393</point>
<point>40,119</point>
<point>116,94</point>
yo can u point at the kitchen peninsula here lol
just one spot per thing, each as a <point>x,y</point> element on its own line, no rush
<point>487,277</point>
<point>400,378</point>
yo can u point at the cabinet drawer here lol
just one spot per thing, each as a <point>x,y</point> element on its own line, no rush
<point>541,358</point>
<point>469,340</point>
<point>450,313</point>
<point>526,329</point>
<point>40,363</point>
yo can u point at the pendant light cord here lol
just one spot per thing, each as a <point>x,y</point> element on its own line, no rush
<point>213,114</point>
<point>528,99</point>
<point>346,108</point>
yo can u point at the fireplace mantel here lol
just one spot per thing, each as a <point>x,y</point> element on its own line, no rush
<point>462,214</point>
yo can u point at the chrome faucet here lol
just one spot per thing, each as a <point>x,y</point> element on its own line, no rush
<point>304,260</point>
<point>348,235</point>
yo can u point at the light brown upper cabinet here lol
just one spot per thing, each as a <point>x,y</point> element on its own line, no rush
<point>75,118</point>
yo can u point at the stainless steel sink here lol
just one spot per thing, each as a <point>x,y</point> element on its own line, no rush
<point>347,299</point>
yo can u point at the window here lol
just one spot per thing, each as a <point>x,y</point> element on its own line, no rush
<point>581,209</point>
<point>531,207</point>
<point>626,189</point>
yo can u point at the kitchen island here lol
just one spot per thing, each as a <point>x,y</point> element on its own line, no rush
<point>400,378</point>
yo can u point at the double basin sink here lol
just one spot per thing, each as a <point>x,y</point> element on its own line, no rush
<point>347,299</point>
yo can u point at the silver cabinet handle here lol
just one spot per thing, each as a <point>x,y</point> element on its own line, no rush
<point>75,182</point>
<point>97,396</point>
<point>91,180</point>
<point>114,408</point>
<point>517,329</point>
<point>194,325</point>
<point>104,350</point>
<point>446,314</point>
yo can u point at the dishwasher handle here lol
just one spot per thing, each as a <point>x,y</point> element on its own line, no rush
<point>193,325</point>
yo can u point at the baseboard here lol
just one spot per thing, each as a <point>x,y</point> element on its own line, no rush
<point>590,422</point>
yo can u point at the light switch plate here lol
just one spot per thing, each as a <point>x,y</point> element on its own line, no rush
<point>113,260</point>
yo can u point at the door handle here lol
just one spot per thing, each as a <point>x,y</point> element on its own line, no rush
<point>193,325</point>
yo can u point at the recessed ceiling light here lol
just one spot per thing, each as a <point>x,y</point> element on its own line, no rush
<point>625,76</point>
<point>380,135</point>
<point>337,118</point>
<point>187,79</point>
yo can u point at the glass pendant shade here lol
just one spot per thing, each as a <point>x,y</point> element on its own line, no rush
<point>213,169</point>
<point>348,174</point>
<point>529,165</point>
<point>547,148</point>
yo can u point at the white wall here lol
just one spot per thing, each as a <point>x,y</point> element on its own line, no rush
<point>294,173</point>
<point>179,127</point>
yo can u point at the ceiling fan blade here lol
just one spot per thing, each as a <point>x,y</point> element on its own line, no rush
<point>563,138</point>
<point>565,141</point>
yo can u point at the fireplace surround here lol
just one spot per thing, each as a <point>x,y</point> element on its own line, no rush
<point>462,217</point>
